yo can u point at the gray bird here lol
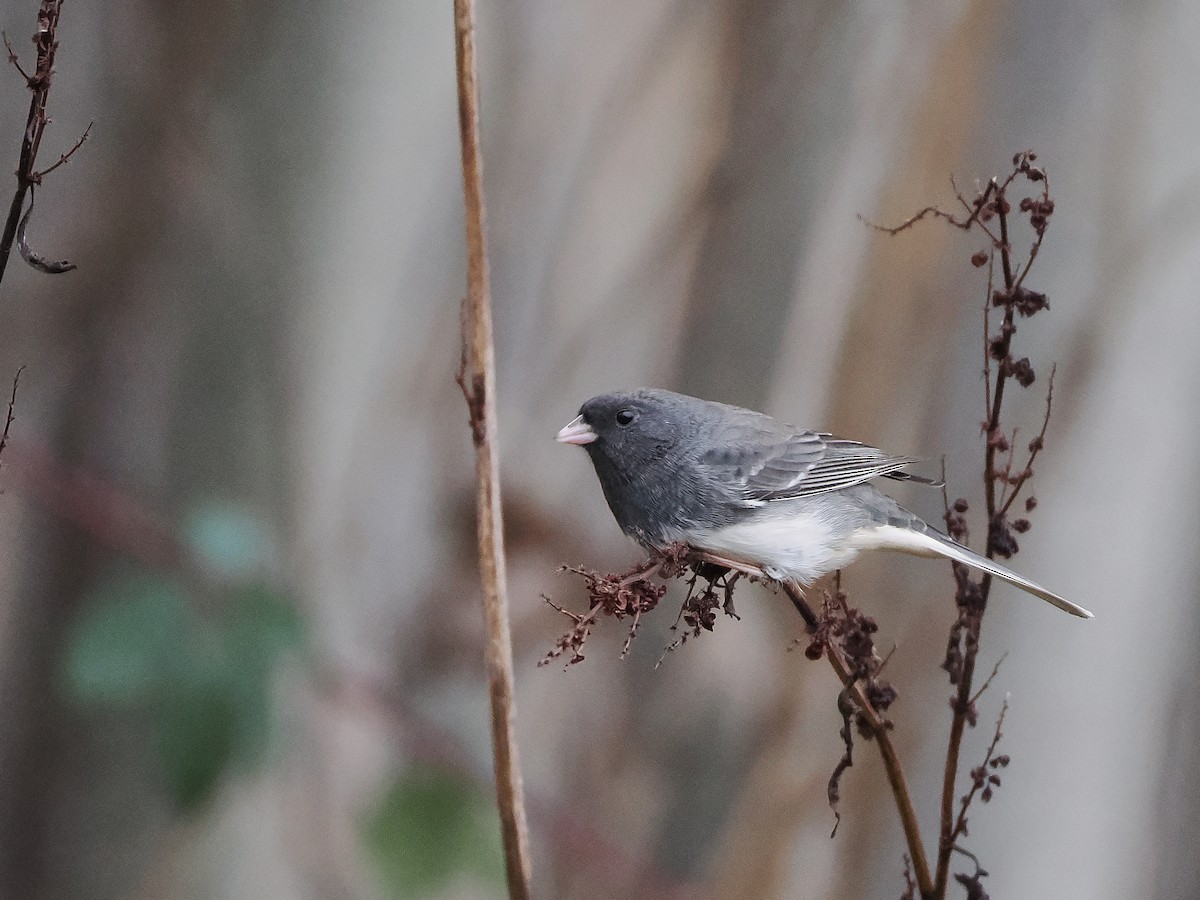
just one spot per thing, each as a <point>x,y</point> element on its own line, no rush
<point>754,492</point>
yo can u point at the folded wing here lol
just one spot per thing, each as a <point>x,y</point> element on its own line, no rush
<point>778,463</point>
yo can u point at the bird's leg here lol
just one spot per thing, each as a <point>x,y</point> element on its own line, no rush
<point>729,563</point>
<point>796,595</point>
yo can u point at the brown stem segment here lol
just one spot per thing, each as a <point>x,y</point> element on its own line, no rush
<point>883,740</point>
<point>477,377</point>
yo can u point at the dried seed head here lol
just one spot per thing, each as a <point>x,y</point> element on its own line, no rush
<point>1022,370</point>
<point>1028,302</point>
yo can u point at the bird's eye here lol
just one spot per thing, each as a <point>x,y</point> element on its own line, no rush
<point>626,416</point>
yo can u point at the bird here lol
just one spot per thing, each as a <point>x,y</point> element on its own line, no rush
<point>755,493</point>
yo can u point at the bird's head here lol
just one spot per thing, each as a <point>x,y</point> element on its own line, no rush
<point>626,431</point>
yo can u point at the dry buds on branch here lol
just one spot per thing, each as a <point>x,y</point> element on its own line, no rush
<point>848,633</point>
<point>1005,476</point>
<point>628,595</point>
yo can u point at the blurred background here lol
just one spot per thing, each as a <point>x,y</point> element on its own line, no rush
<point>240,631</point>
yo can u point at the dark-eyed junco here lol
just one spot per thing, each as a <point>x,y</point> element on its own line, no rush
<point>754,492</point>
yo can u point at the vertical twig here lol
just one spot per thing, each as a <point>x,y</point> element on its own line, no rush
<point>973,607</point>
<point>972,598</point>
<point>477,378</point>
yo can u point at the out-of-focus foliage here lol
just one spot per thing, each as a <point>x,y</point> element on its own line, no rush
<point>429,828</point>
<point>195,659</point>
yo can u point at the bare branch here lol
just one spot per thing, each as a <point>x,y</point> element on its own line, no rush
<point>880,730</point>
<point>65,158</point>
<point>477,378</point>
<point>983,780</point>
<point>45,39</point>
<point>1035,446</point>
<point>988,681</point>
<point>12,58</point>
<point>12,402</point>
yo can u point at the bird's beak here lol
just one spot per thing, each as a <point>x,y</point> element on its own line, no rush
<point>576,432</point>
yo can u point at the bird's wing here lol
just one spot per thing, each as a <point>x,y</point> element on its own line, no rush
<point>784,464</point>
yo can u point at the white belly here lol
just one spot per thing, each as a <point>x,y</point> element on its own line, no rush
<point>799,545</point>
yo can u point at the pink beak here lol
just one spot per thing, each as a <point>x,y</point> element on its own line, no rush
<point>576,432</point>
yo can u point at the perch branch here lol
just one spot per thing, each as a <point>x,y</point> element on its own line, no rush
<point>881,733</point>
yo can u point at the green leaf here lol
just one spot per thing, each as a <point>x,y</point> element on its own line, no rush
<point>130,638</point>
<point>430,827</point>
<point>262,627</point>
<point>205,686</point>
<point>195,731</point>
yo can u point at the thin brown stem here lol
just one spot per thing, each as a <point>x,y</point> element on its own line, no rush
<point>988,681</point>
<point>987,338</point>
<point>881,733</point>
<point>960,824</point>
<point>65,158</point>
<point>12,402</point>
<point>1035,446</point>
<point>963,703</point>
<point>477,378</point>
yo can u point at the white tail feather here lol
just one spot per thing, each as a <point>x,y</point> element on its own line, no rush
<point>904,540</point>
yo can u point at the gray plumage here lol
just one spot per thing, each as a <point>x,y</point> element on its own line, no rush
<point>752,490</point>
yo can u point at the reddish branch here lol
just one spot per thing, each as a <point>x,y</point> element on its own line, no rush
<point>477,378</point>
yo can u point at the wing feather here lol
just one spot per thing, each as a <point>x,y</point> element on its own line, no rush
<point>783,463</point>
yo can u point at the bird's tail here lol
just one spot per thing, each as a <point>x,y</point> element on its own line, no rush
<point>957,552</point>
<point>908,534</point>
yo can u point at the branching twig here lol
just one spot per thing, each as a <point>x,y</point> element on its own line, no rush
<point>46,41</point>
<point>989,210</point>
<point>477,378</point>
<point>12,402</point>
<point>987,683</point>
<point>839,634</point>
<point>64,158</point>
<point>1035,447</point>
<point>983,780</point>
<point>972,598</point>
<point>880,730</point>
